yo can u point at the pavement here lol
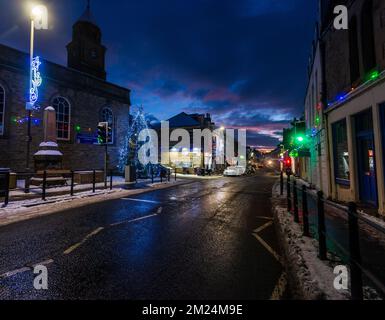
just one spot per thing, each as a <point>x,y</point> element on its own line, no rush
<point>372,242</point>
<point>208,239</point>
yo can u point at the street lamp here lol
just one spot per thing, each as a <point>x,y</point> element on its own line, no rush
<point>39,21</point>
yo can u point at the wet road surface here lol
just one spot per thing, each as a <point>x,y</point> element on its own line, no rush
<point>211,239</point>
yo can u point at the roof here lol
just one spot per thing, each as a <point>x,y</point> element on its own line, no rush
<point>87,16</point>
<point>183,120</point>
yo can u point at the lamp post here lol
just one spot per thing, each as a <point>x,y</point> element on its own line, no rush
<point>39,21</point>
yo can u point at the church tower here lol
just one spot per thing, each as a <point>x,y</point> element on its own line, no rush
<point>86,52</point>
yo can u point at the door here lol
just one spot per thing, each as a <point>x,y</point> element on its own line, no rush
<point>367,169</point>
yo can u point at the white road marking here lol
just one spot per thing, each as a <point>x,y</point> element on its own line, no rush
<point>43,263</point>
<point>265,218</point>
<point>77,245</point>
<point>261,241</point>
<point>133,220</point>
<point>25,269</point>
<point>14,272</point>
<point>268,248</point>
<point>266,225</point>
<point>160,209</point>
<point>140,200</point>
<point>280,287</point>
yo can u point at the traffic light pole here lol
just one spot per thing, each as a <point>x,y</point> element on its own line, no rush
<point>105,164</point>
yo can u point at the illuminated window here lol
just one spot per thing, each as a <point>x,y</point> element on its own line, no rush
<point>341,152</point>
<point>2,110</point>
<point>106,115</point>
<point>63,117</point>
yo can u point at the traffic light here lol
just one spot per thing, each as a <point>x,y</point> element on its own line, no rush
<point>102,132</point>
<point>109,134</point>
<point>287,162</point>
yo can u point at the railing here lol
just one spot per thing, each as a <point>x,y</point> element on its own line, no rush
<point>353,250</point>
<point>67,181</point>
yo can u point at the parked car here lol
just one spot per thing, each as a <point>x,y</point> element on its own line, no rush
<point>234,171</point>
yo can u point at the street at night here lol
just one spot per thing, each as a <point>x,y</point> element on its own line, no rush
<point>194,241</point>
<point>192,158</point>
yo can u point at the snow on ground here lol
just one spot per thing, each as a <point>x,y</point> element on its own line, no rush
<point>29,208</point>
<point>310,278</point>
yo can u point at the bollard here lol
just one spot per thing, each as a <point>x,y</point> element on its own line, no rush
<point>355,254</point>
<point>111,176</point>
<point>175,174</point>
<point>288,194</point>
<point>72,182</point>
<point>321,226</point>
<point>281,183</point>
<point>27,183</point>
<point>7,174</point>
<point>169,175</point>
<point>295,200</point>
<point>305,213</point>
<point>7,178</point>
<point>152,175</point>
<point>44,185</point>
<point>94,181</point>
<point>161,177</point>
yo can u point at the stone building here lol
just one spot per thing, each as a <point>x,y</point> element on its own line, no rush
<point>354,101</point>
<point>80,95</point>
<point>316,166</point>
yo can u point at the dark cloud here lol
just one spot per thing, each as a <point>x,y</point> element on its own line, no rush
<point>243,61</point>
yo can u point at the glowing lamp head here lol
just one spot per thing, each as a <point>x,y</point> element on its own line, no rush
<point>300,139</point>
<point>37,12</point>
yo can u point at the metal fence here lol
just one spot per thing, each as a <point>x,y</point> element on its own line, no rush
<point>339,235</point>
<point>68,181</point>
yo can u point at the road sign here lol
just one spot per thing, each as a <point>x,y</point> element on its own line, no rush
<point>86,138</point>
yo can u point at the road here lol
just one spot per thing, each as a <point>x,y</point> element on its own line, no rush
<point>208,239</point>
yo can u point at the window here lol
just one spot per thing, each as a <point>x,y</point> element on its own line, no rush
<point>364,121</point>
<point>353,50</point>
<point>341,152</point>
<point>2,110</point>
<point>367,37</point>
<point>106,115</point>
<point>63,115</point>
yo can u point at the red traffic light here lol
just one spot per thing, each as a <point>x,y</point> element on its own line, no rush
<point>287,162</point>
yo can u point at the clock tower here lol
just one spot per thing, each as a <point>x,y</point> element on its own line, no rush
<point>86,52</point>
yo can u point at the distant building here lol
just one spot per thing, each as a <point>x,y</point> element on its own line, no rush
<point>295,146</point>
<point>80,95</point>
<point>316,166</point>
<point>188,159</point>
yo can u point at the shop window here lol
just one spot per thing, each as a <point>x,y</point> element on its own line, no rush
<point>341,152</point>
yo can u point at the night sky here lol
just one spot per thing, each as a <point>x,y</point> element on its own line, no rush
<point>243,61</point>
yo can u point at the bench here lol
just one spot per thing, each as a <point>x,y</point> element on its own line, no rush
<point>86,177</point>
<point>53,178</point>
